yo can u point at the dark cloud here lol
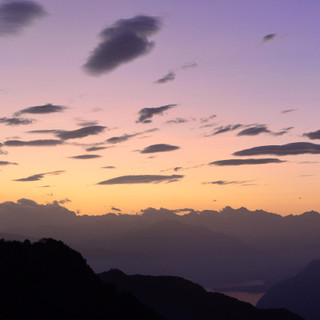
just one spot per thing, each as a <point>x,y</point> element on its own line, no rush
<point>39,176</point>
<point>142,179</point>
<point>239,162</point>
<point>253,131</point>
<point>189,65</point>
<point>176,121</point>
<point>269,37</point>
<point>146,114</point>
<point>79,133</point>
<point>203,120</point>
<point>313,135</point>
<point>86,156</point>
<point>115,209</point>
<point>159,148</point>
<point>47,108</point>
<point>122,42</point>
<point>224,129</point>
<point>170,76</point>
<point>108,167</point>
<point>32,143</point>
<point>126,137</point>
<point>16,15</point>
<point>5,163</point>
<point>16,121</point>
<point>288,110</point>
<point>90,149</point>
<point>282,150</point>
<point>177,169</point>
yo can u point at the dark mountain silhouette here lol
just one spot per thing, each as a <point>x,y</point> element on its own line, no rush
<point>180,299</point>
<point>300,294</point>
<point>216,249</point>
<point>48,280</point>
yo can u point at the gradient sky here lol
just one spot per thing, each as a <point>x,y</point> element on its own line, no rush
<point>211,57</point>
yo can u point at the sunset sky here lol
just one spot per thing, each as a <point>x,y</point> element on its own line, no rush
<point>137,103</point>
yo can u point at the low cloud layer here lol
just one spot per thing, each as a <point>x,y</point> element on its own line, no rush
<point>146,114</point>
<point>159,148</point>
<point>281,150</point>
<point>45,109</point>
<point>313,135</point>
<point>33,143</point>
<point>15,121</point>
<point>170,76</point>
<point>39,176</point>
<point>17,15</point>
<point>239,162</point>
<point>134,179</point>
<point>124,41</point>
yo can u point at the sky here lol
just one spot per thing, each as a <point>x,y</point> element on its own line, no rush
<point>124,105</point>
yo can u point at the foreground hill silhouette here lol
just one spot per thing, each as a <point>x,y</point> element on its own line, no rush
<point>48,280</point>
<point>215,249</point>
<point>300,294</point>
<point>180,299</point>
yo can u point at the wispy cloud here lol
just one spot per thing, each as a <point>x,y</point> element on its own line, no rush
<point>124,41</point>
<point>15,121</point>
<point>33,143</point>
<point>159,148</point>
<point>126,137</point>
<point>45,109</point>
<point>17,15</point>
<point>239,162</point>
<point>288,110</point>
<point>6,163</point>
<point>294,148</point>
<point>170,76</point>
<point>146,114</point>
<point>223,129</point>
<point>225,182</point>
<point>79,133</point>
<point>134,179</point>
<point>189,65</point>
<point>313,135</point>
<point>177,121</point>
<point>39,176</point>
<point>86,156</point>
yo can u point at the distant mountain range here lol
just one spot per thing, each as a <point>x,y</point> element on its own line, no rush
<point>180,299</point>
<point>216,249</point>
<point>48,280</point>
<point>300,294</point>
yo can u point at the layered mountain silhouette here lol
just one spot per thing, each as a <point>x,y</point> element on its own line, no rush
<point>48,280</point>
<point>216,249</point>
<point>180,299</point>
<point>300,294</point>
